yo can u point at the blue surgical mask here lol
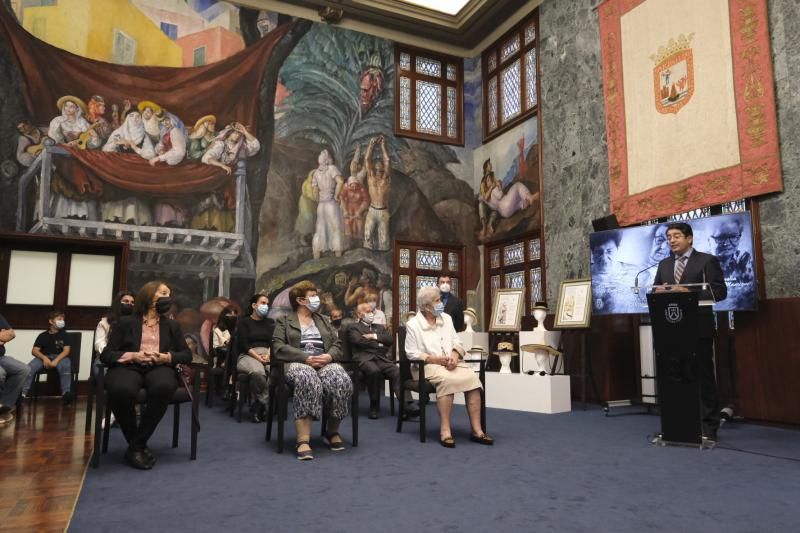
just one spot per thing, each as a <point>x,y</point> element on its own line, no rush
<point>373,305</point>
<point>262,310</point>
<point>313,304</point>
<point>60,324</point>
<point>438,309</point>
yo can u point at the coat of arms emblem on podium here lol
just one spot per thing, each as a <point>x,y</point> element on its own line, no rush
<point>673,75</point>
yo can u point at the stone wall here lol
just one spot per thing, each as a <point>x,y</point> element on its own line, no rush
<point>574,144</point>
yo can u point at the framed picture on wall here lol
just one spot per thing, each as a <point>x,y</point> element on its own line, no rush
<point>507,309</point>
<point>574,304</point>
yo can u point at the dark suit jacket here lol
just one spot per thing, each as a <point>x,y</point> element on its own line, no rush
<point>126,336</point>
<point>286,340</point>
<point>363,349</point>
<point>455,308</point>
<point>700,268</point>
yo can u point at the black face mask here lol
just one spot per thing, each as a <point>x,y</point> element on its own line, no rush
<point>163,304</point>
<point>126,309</point>
<point>230,321</point>
<point>336,322</point>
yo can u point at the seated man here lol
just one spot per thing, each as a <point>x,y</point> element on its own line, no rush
<point>51,350</point>
<point>12,375</point>
<point>370,344</point>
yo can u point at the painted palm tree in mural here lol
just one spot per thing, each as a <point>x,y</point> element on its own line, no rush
<point>330,76</point>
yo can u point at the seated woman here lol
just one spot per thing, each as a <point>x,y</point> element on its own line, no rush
<point>142,352</point>
<point>254,339</point>
<point>122,306</point>
<point>307,341</point>
<point>432,338</point>
<point>223,329</point>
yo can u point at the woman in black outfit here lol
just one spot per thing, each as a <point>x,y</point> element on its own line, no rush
<point>253,341</point>
<point>142,352</point>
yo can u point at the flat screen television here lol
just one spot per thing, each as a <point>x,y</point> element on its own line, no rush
<point>627,257</point>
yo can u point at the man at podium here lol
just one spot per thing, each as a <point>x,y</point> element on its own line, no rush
<point>687,265</point>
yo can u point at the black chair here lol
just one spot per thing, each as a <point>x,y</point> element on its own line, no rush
<point>280,392</point>
<point>215,370</point>
<point>423,388</point>
<point>374,386</point>
<point>74,357</point>
<point>181,396</point>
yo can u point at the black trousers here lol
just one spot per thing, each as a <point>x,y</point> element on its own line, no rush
<point>709,397</point>
<point>376,370</point>
<point>123,384</point>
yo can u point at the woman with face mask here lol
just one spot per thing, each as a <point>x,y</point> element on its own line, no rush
<point>431,337</point>
<point>308,343</point>
<point>122,306</point>
<point>142,352</point>
<point>253,341</point>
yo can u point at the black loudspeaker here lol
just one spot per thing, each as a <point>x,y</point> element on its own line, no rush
<point>608,222</point>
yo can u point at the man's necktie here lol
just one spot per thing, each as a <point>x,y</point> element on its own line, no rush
<point>680,265</point>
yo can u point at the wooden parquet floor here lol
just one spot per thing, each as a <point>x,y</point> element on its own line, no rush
<point>43,457</point>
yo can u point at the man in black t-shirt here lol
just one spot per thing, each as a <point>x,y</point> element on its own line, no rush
<point>51,350</point>
<point>13,374</point>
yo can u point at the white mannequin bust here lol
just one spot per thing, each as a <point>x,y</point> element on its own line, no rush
<point>470,319</point>
<point>543,358</point>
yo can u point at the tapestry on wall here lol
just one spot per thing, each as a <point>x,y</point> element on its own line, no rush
<point>690,106</point>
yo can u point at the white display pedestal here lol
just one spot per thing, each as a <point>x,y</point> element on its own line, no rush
<point>528,360</point>
<point>474,338</point>
<point>520,392</point>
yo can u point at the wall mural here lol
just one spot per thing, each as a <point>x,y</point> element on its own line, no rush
<point>328,186</point>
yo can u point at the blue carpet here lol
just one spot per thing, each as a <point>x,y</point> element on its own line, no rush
<point>579,471</point>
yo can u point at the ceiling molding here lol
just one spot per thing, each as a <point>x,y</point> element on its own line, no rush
<point>466,34</point>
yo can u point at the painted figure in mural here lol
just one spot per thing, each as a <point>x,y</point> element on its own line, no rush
<point>327,181</point>
<point>152,113</point>
<point>493,201</point>
<point>201,137</point>
<point>355,201</point>
<point>171,147</point>
<point>361,288</point>
<point>115,120</point>
<point>68,126</point>
<point>101,128</point>
<point>233,144</point>
<point>379,181</point>
<point>385,296</point>
<point>30,142</point>
<point>305,223</point>
<point>131,137</point>
<point>371,82</point>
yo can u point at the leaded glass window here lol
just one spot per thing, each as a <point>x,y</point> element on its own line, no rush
<point>451,112</point>
<point>530,33</point>
<point>405,103</point>
<point>515,280</point>
<point>536,285</point>
<point>429,260</point>
<point>531,98</point>
<point>494,283</point>
<point>405,61</point>
<point>454,285</point>
<point>492,103</point>
<point>494,258</point>
<point>429,107</point>
<point>452,72</point>
<point>429,67</point>
<point>491,63</point>
<point>534,249</point>
<point>692,214</point>
<point>426,281</point>
<point>735,206</point>
<point>514,254</point>
<point>405,258</point>
<point>510,48</point>
<point>452,262</point>
<point>509,88</point>
<point>405,294</point>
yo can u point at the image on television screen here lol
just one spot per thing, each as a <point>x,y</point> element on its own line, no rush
<point>622,259</point>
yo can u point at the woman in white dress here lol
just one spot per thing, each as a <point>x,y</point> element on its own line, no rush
<point>432,338</point>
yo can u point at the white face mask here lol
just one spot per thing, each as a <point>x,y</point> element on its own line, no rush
<point>438,309</point>
<point>60,324</point>
<point>368,318</point>
<point>262,310</point>
<point>445,288</point>
<point>313,304</point>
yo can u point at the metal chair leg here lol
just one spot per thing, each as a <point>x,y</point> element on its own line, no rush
<point>89,406</point>
<point>107,429</point>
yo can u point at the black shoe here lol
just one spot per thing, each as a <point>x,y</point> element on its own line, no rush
<point>67,398</point>
<point>257,411</point>
<point>148,453</point>
<point>136,458</point>
<point>710,435</point>
<point>373,413</point>
<point>412,409</point>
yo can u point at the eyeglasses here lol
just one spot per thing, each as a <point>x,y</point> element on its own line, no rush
<point>726,239</point>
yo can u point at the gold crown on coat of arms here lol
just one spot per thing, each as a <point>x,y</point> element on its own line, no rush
<point>673,47</point>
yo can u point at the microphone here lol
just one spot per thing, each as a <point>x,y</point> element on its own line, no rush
<point>636,279</point>
<point>707,286</point>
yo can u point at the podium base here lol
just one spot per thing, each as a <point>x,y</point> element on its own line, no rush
<point>704,444</point>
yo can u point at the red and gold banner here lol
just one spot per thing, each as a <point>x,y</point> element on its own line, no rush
<point>690,105</point>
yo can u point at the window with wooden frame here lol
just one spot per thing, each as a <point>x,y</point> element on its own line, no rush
<point>510,70</point>
<point>515,264</point>
<point>429,96</point>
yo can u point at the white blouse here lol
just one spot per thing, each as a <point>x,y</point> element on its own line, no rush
<point>423,340</point>
<point>101,335</point>
<point>221,338</point>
